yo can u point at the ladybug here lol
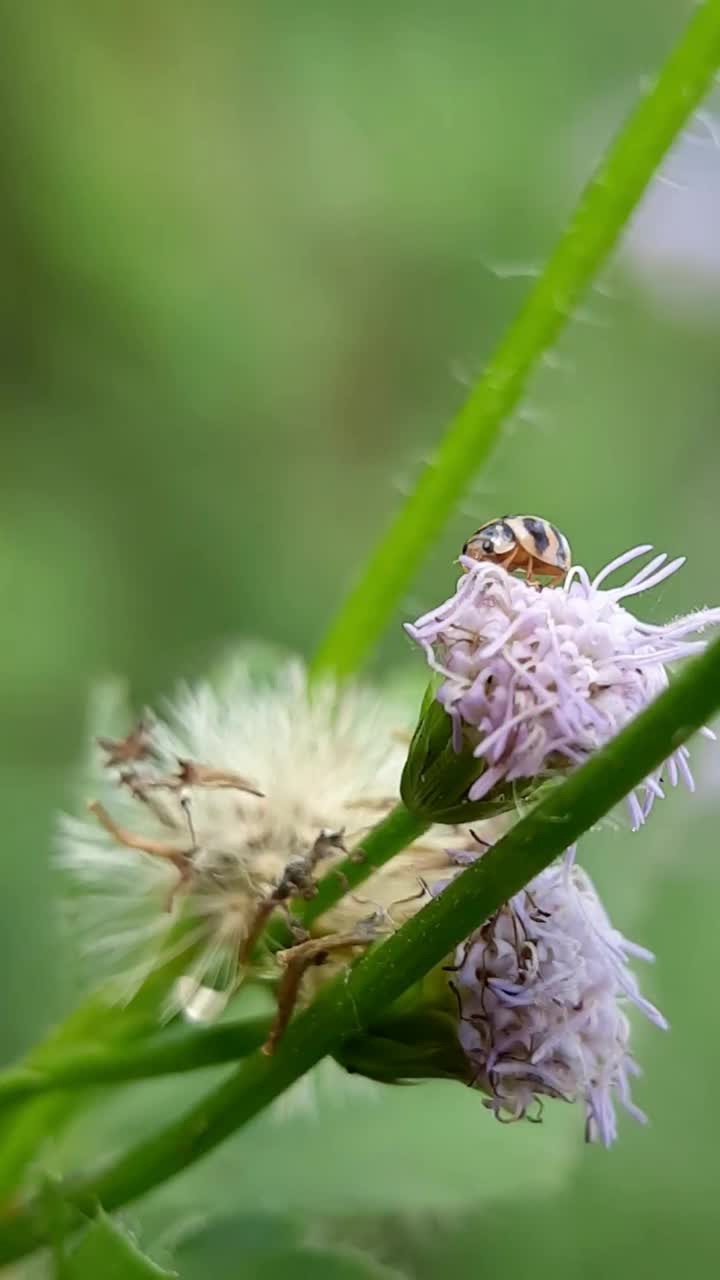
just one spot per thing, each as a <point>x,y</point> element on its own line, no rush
<point>522,544</point>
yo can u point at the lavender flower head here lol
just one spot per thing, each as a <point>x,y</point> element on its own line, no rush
<point>541,988</point>
<point>537,679</point>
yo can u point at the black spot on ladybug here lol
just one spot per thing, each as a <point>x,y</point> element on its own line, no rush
<point>560,552</point>
<point>536,529</point>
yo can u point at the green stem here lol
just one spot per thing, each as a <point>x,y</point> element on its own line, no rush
<point>24,1130</point>
<point>353,1000</point>
<point>393,834</point>
<point>593,229</point>
<point>179,1049</point>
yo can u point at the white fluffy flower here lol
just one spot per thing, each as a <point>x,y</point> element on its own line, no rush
<point>543,677</point>
<point>541,988</point>
<point>241,782</point>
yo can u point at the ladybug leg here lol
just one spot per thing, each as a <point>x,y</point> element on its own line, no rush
<point>529,572</point>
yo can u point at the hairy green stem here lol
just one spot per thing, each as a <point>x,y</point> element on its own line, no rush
<point>352,1001</point>
<point>593,229</point>
<point>176,1050</point>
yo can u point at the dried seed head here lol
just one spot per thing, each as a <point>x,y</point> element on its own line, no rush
<point>234,806</point>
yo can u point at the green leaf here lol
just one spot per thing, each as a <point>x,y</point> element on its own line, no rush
<point>266,1245</point>
<point>107,1252</point>
<point>313,1264</point>
<point>217,1247</point>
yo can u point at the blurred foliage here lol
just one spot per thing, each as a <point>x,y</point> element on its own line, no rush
<point>251,254</point>
<point>104,1249</point>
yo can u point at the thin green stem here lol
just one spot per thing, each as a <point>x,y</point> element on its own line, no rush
<point>24,1130</point>
<point>352,1001</point>
<point>176,1050</point>
<point>393,834</point>
<point>593,229</point>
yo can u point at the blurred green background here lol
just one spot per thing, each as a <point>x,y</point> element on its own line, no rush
<point>251,255</point>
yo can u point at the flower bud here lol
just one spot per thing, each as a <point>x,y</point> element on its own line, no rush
<point>442,768</point>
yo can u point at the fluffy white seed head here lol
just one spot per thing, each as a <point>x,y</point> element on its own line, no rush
<point>542,989</point>
<point>272,773</point>
<point>542,677</point>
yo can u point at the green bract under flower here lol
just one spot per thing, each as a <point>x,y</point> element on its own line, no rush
<point>442,768</point>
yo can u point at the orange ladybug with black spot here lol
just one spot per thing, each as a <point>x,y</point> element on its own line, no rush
<point>528,545</point>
